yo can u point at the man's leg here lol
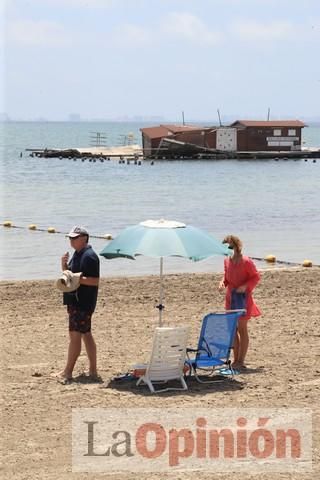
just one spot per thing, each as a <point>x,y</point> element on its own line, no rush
<point>73,353</point>
<point>91,349</point>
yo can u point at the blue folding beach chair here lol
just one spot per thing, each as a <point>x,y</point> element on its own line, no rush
<point>215,343</point>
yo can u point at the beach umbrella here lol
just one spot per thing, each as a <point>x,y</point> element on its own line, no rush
<point>164,238</point>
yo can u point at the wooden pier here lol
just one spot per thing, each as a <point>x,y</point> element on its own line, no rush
<point>127,151</point>
<point>134,152</point>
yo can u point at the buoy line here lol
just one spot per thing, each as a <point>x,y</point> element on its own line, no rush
<point>108,236</point>
<point>33,227</point>
<point>305,263</point>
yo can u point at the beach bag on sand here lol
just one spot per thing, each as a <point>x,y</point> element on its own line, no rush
<point>69,281</point>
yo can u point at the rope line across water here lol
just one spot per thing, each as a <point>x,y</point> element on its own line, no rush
<point>108,236</point>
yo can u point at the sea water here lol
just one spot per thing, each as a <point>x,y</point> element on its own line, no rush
<point>273,206</point>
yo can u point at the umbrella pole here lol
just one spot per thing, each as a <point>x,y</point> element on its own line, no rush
<point>161,307</point>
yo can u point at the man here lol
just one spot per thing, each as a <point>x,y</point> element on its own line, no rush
<point>82,302</point>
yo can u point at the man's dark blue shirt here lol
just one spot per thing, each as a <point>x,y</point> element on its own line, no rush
<point>87,262</point>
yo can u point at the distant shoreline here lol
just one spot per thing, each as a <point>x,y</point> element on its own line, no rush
<point>309,123</point>
<point>168,276</point>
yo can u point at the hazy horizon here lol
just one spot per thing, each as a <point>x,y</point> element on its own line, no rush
<point>138,59</point>
<point>134,119</point>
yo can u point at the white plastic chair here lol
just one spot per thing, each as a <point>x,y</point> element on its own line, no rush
<point>167,358</point>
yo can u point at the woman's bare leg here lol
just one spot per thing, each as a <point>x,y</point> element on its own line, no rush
<point>243,342</point>
<point>236,348</point>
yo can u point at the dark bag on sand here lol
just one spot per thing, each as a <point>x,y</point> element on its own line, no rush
<point>238,300</point>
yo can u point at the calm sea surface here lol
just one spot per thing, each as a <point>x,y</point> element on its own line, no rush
<point>272,205</point>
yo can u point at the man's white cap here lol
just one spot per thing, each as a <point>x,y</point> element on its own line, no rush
<point>77,232</point>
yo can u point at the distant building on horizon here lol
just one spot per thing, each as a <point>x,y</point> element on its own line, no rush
<point>74,117</point>
<point>4,117</point>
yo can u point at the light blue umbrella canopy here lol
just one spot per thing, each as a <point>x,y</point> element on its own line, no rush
<point>163,238</point>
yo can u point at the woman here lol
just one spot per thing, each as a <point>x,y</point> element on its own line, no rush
<point>241,276</point>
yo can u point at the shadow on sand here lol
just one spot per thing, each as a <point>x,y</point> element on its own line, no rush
<point>87,379</point>
<point>218,383</point>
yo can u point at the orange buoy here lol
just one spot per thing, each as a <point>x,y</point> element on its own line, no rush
<point>7,223</point>
<point>51,230</point>
<point>32,227</point>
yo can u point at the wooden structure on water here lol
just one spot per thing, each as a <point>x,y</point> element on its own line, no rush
<point>178,151</point>
<point>127,151</point>
<point>242,140</point>
<point>270,135</point>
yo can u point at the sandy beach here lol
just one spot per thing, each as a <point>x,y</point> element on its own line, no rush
<point>36,409</point>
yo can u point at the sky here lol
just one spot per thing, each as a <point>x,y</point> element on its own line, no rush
<point>116,59</point>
